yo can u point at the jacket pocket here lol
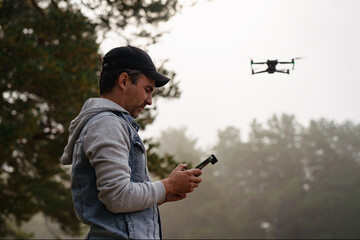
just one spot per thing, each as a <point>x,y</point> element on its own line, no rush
<point>138,224</point>
<point>137,161</point>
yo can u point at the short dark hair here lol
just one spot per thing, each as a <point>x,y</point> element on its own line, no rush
<point>108,78</point>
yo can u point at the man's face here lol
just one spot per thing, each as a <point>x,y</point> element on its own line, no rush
<point>139,95</point>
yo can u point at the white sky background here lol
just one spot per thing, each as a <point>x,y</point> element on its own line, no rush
<point>210,46</point>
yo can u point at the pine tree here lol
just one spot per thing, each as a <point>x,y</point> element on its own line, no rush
<point>49,67</point>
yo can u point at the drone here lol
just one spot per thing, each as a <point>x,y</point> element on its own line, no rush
<point>271,66</point>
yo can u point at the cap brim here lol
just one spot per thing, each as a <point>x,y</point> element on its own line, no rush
<point>160,80</point>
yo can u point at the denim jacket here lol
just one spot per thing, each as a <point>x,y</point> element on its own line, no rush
<point>115,197</point>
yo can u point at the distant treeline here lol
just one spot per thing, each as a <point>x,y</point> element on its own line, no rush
<point>286,181</point>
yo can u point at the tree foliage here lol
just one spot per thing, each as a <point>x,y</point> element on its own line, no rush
<point>173,146</point>
<point>176,142</point>
<point>285,181</point>
<point>131,20</point>
<point>49,67</point>
<point>47,70</point>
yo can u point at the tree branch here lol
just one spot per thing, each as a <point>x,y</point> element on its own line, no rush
<point>36,7</point>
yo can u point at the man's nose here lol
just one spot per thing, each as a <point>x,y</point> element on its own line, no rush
<point>148,100</point>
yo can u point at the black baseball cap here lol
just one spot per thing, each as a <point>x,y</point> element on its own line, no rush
<point>129,57</point>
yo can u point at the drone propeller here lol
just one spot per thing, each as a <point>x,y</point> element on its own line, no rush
<point>293,61</point>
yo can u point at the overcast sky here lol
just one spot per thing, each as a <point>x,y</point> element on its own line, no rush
<point>210,46</point>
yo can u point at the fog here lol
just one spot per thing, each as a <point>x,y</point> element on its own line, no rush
<point>210,45</point>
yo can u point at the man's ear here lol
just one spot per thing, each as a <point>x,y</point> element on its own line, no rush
<point>123,80</point>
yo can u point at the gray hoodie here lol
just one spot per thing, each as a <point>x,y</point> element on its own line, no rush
<point>106,144</point>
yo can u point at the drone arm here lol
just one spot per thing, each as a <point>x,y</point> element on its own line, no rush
<point>259,72</point>
<point>258,63</point>
<point>283,71</point>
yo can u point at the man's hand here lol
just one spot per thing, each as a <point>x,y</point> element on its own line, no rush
<point>181,182</point>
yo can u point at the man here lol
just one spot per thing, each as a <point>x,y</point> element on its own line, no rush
<point>111,187</point>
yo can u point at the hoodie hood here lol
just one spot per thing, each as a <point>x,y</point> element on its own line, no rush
<point>91,107</point>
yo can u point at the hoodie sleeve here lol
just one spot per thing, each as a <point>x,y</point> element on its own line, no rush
<point>107,146</point>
